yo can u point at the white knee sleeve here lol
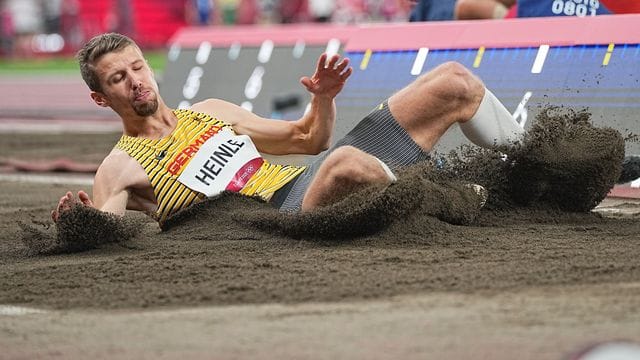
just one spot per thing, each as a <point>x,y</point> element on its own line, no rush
<point>492,125</point>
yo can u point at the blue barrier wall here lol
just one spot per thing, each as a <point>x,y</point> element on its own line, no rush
<point>572,76</point>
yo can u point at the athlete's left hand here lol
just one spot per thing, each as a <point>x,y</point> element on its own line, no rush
<point>68,201</point>
<point>330,76</point>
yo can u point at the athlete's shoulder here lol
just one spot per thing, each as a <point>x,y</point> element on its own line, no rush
<point>210,106</point>
<point>223,110</point>
<point>115,163</point>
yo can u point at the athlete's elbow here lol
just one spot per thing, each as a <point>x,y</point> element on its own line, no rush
<point>323,146</point>
<point>311,143</point>
<point>314,146</point>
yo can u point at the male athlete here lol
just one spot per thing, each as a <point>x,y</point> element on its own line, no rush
<point>169,159</point>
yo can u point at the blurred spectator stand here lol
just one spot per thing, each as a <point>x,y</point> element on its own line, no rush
<point>433,10</point>
<point>42,28</point>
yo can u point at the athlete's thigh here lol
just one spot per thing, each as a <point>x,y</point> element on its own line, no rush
<point>428,106</point>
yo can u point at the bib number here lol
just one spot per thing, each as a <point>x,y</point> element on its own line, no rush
<point>224,162</point>
<point>578,8</point>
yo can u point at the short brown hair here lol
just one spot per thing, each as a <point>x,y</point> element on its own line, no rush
<point>94,49</point>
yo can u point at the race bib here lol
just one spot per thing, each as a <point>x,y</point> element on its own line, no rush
<point>224,162</point>
<point>578,8</point>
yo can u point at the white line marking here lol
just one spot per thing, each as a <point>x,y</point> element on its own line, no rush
<point>247,105</point>
<point>298,49</point>
<point>49,179</point>
<point>521,111</point>
<point>192,84</point>
<point>10,310</point>
<point>204,50</point>
<point>264,55</point>
<point>421,57</point>
<point>234,51</point>
<point>540,59</point>
<point>174,52</point>
<point>254,84</point>
<point>333,46</point>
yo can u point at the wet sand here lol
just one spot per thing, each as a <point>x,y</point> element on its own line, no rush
<point>526,282</point>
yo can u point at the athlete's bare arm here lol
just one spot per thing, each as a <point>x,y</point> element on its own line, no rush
<point>120,184</point>
<point>310,134</point>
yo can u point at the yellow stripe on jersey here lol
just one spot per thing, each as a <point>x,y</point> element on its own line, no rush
<point>269,178</point>
<point>162,161</point>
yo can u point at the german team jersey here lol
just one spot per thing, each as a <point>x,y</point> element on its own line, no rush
<point>202,157</point>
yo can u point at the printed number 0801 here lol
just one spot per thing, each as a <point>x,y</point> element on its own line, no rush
<point>579,8</point>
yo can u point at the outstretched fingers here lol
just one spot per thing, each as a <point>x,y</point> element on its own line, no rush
<point>321,62</point>
<point>63,204</point>
<point>330,76</point>
<point>333,61</point>
<point>345,75</point>
<point>84,198</point>
<point>330,63</point>
<point>307,82</point>
<point>342,65</point>
<point>67,201</point>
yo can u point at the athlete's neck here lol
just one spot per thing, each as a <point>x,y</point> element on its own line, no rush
<point>155,126</point>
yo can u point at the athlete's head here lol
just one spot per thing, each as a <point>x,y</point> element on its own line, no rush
<point>113,67</point>
<point>94,49</point>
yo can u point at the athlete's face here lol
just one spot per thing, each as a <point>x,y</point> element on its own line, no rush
<point>128,85</point>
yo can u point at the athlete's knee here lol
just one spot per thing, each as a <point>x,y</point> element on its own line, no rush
<point>343,161</point>
<point>452,67</point>
<point>343,154</point>
<point>457,86</point>
<point>461,82</point>
<point>349,164</point>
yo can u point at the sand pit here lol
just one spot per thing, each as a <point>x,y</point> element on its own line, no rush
<point>395,242</point>
<point>242,250</point>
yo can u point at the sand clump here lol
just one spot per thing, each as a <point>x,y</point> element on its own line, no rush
<point>566,162</point>
<point>81,228</point>
<point>364,212</point>
<point>563,163</point>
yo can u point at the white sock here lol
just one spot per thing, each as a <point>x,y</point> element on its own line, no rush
<point>492,125</point>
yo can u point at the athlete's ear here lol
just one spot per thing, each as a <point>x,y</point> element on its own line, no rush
<point>99,99</point>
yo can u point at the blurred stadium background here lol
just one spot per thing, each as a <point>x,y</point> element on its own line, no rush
<point>52,27</point>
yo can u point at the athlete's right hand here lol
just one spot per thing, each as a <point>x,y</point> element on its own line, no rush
<point>68,201</point>
<point>330,76</point>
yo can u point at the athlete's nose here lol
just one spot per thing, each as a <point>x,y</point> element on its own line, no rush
<point>136,81</point>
